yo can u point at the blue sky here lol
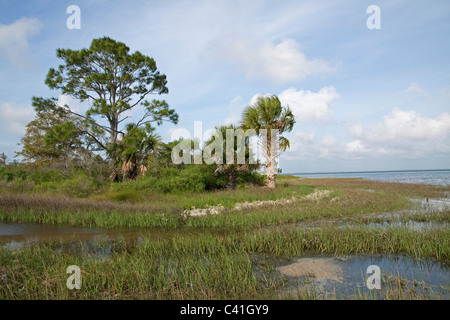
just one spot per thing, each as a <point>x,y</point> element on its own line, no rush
<point>363,99</point>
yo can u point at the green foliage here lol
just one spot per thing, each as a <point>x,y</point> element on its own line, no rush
<point>113,81</point>
<point>44,176</point>
<point>189,179</point>
<point>268,114</point>
<point>193,178</point>
<point>251,178</point>
<point>78,185</point>
<point>13,172</point>
<point>35,151</point>
<point>235,172</point>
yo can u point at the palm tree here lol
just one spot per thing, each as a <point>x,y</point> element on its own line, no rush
<point>231,171</point>
<point>134,148</point>
<point>266,116</point>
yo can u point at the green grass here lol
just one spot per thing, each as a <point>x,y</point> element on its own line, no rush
<point>167,210</point>
<point>209,257</point>
<point>194,267</point>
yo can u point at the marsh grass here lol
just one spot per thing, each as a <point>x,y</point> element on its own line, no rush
<point>405,189</point>
<point>348,198</point>
<point>188,266</point>
<point>212,257</point>
<point>37,208</point>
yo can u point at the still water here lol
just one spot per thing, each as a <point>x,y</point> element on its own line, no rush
<point>437,177</point>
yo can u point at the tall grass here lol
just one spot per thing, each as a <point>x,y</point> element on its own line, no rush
<point>194,267</point>
<point>167,210</point>
<point>210,257</point>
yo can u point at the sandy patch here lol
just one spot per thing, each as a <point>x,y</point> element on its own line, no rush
<point>315,196</point>
<point>203,212</point>
<point>245,205</point>
<point>319,269</point>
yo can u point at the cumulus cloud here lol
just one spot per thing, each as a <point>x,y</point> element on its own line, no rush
<point>404,134</point>
<point>414,87</point>
<point>279,63</point>
<point>356,147</point>
<point>400,127</point>
<point>234,108</point>
<point>303,146</point>
<point>14,118</point>
<point>14,39</point>
<point>74,105</point>
<point>309,106</point>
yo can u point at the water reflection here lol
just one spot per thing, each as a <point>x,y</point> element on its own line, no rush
<point>426,276</point>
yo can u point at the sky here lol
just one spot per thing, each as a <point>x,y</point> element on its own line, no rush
<point>365,99</point>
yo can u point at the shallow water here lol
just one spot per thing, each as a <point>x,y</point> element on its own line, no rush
<point>41,230</point>
<point>86,241</point>
<point>436,177</point>
<point>428,277</point>
<point>99,245</point>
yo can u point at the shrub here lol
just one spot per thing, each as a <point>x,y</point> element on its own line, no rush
<point>12,172</point>
<point>79,185</point>
<point>43,176</point>
<point>251,178</point>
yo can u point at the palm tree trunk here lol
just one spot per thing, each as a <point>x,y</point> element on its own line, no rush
<point>270,166</point>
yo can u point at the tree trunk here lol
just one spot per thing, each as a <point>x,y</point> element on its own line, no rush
<point>231,180</point>
<point>114,176</point>
<point>129,170</point>
<point>270,166</point>
<point>114,123</point>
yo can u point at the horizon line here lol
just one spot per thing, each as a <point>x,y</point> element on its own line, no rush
<point>375,171</point>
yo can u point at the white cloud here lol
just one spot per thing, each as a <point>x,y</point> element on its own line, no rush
<point>278,63</point>
<point>303,146</point>
<point>306,105</point>
<point>414,87</point>
<point>309,106</point>
<point>14,118</point>
<point>400,127</point>
<point>356,147</point>
<point>14,39</point>
<point>234,108</point>
<point>329,146</point>
<point>74,105</point>
<point>404,132</point>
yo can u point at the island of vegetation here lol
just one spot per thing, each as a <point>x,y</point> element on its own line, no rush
<point>187,231</point>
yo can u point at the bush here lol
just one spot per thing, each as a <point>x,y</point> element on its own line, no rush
<point>193,178</point>
<point>79,185</point>
<point>43,176</point>
<point>251,178</point>
<point>12,172</point>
